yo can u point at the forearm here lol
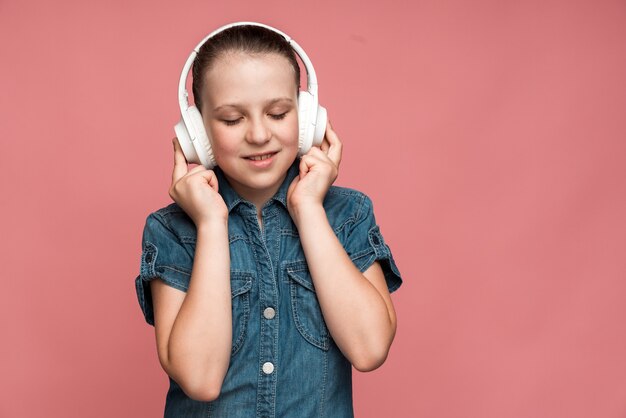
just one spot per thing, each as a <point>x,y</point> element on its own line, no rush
<point>201,338</point>
<point>355,312</point>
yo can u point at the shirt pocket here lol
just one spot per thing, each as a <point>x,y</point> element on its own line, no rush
<point>306,311</point>
<point>240,285</point>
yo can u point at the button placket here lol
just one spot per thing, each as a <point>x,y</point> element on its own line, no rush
<point>266,247</point>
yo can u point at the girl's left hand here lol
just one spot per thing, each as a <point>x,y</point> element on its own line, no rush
<point>319,168</point>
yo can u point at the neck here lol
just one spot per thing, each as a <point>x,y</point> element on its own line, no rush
<point>258,197</point>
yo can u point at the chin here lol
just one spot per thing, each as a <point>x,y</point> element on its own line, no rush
<point>266,180</point>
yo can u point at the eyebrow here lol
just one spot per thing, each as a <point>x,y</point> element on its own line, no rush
<point>269,102</point>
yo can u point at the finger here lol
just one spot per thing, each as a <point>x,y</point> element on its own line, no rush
<point>317,154</point>
<point>180,163</point>
<point>336,146</point>
<point>211,178</point>
<point>331,135</point>
<point>196,169</point>
<point>322,157</point>
<point>318,160</point>
<point>315,157</point>
<point>325,145</point>
<point>305,165</point>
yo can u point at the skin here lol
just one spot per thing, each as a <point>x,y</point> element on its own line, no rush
<point>194,329</point>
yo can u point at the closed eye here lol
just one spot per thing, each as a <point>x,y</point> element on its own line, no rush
<point>236,121</point>
<point>231,122</point>
<point>279,117</point>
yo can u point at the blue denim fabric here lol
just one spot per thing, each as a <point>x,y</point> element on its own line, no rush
<point>310,377</point>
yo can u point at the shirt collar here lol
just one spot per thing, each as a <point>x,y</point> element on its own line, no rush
<point>232,199</point>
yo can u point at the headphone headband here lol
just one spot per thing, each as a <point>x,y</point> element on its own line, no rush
<point>183,95</point>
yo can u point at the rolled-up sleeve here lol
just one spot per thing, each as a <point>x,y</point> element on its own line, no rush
<point>162,256</point>
<point>365,244</point>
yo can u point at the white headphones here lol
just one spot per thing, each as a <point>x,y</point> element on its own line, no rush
<point>194,139</point>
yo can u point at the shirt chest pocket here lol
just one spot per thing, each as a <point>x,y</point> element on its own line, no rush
<point>305,308</point>
<point>240,285</point>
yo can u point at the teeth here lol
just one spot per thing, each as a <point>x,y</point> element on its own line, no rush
<point>260,157</point>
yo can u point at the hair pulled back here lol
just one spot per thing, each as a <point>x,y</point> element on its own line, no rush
<point>249,39</point>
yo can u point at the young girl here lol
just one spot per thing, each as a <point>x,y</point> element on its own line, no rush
<point>273,283</point>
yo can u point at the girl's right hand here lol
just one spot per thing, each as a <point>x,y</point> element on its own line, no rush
<point>195,190</point>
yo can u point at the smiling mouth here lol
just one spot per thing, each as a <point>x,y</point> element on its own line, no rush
<point>261,157</point>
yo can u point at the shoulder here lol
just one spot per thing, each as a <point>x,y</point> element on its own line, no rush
<point>172,219</point>
<point>344,205</point>
<point>346,196</point>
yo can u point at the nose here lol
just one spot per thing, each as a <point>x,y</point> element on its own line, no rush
<point>258,132</point>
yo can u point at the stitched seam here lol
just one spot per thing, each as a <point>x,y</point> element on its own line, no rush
<point>244,322</point>
<point>321,342</point>
<point>324,374</point>
<point>236,237</point>
<point>290,232</point>
<point>170,282</point>
<point>362,253</point>
<point>176,269</point>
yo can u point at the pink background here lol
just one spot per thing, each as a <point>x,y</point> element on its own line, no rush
<point>490,135</point>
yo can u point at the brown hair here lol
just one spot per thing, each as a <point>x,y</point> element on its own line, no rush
<point>249,39</point>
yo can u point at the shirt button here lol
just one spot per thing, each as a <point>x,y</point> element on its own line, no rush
<point>268,368</point>
<point>269,313</point>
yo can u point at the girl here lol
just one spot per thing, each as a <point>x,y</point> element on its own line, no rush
<point>272,281</point>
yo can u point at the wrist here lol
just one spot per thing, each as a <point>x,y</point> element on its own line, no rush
<point>212,225</point>
<point>307,212</point>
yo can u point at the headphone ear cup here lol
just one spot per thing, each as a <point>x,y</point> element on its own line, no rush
<point>184,139</point>
<point>202,143</point>
<point>320,126</point>
<point>310,134</point>
<point>305,139</point>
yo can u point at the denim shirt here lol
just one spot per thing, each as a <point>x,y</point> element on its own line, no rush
<point>284,362</point>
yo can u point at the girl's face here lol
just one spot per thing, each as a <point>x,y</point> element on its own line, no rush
<point>250,108</point>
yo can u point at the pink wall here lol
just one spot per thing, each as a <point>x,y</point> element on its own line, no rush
<point>490,135</point>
